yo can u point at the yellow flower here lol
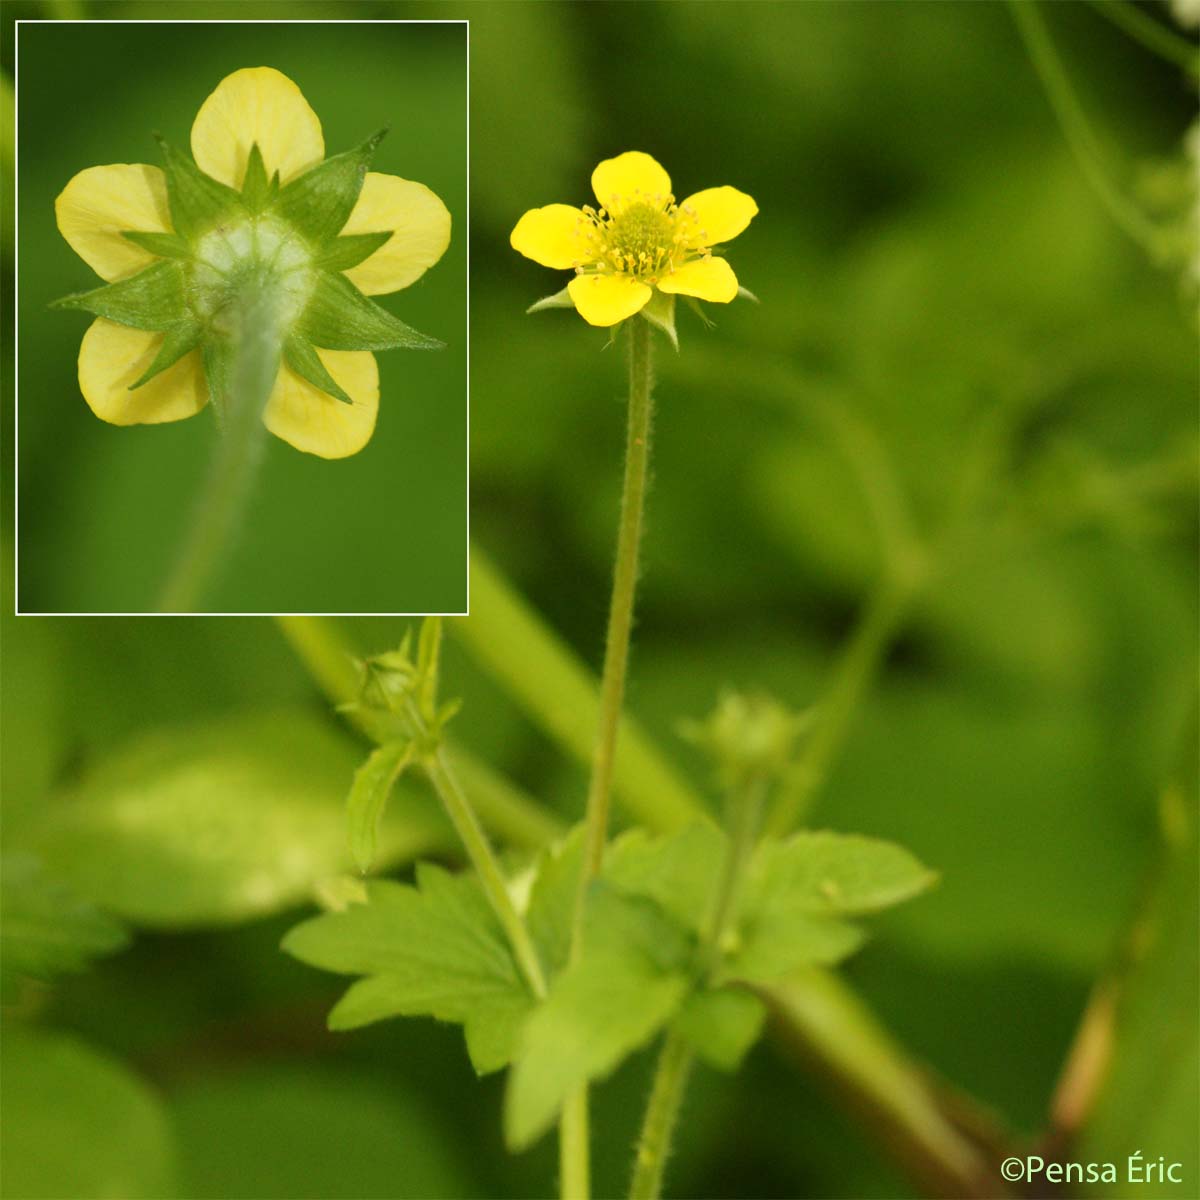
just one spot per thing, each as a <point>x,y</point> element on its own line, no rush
<point>254,106</point>
<point>638,240</point>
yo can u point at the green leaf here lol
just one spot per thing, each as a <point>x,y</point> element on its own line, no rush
<point>721,1024</point>
<point>660,312</point>
<point>304,360</point>
<point>834,874</point>
<point>318,203</point>
<point>369,793</point>
<point>340,317</point>
<point>797,891</point>
<point>179,340</point>
<point>152,299</point>
<point>197,201</point>
<point>45,929</point>
<point>558,300</point>
<point>219,821</point>
<point>629,981</point>
<point>552,899</point>
<point>77,1123</point>
<point>679,871</point>
<point>348,251</point>
<point>431,950</point>
<point>256,187</point>
<point>165,245</point>
<point>777,940</point>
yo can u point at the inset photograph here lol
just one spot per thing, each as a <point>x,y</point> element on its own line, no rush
<point>242,317</point>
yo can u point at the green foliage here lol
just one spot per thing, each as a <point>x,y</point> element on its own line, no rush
<point>45,929</point>
<point>78,1124</point>
<point>721,1024</point>
<point>216,821</point>
<point>369,794</point>
<point>435,949</point>
<point>626,985</point>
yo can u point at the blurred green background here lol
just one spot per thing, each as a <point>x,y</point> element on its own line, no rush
<point>102,508</point>
<point>953,337</point>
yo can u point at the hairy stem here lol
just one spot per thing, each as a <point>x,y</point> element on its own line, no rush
<point>662,1112</point>
<point>620,612</point>
<point>254,367</point>
<point>675,1058</point>
<point>483,859</point>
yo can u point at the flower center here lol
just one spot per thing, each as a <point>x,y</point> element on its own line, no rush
<point>641,240</point>
<point>260,252</point>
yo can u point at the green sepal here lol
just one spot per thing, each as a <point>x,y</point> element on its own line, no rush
<point>164,245</point>
<point>256,187</point>
<point>197,201</point>
<point>698,309</point>
<point>747,294</point>
<point>340,317</point>
<point>373,783</point>
<point>660,312</point>
<point>304,360</point>
<point>152,299</point>
<point>558,300</point>
<point>319,202</point>
<point>345,252</point>
<point>178,341</point>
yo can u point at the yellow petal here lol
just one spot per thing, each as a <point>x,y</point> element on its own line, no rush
<point>607,299</point>
<point>256,104</point>
<point>305,417</point>
<point>101,202</point>
<point>420,228</point>
<point>629,177</point>
<point>555,236</point>
<point>706,278</point>
<point>716,215</point>
<point>113,356</point>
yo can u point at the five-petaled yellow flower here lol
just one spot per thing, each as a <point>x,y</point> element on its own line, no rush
<point>254,106</point>
<point>639,239</point>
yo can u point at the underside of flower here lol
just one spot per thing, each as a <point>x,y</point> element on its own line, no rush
<point>262,252</point>
<point>257,221</point>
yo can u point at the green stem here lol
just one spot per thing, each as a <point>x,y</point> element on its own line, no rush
<point>675,1058</point>
<point>252,373</point>
<point>573,1125</point>
<point>574,1153</point>
<point>1148,32</point>
<point>483,859</point>
<point>662,1114</point>
<point>1075,127</point>
<point>620,612</point>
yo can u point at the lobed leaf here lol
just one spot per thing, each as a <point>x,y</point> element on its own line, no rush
<point>628,982</point>
<point>431,950</point>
